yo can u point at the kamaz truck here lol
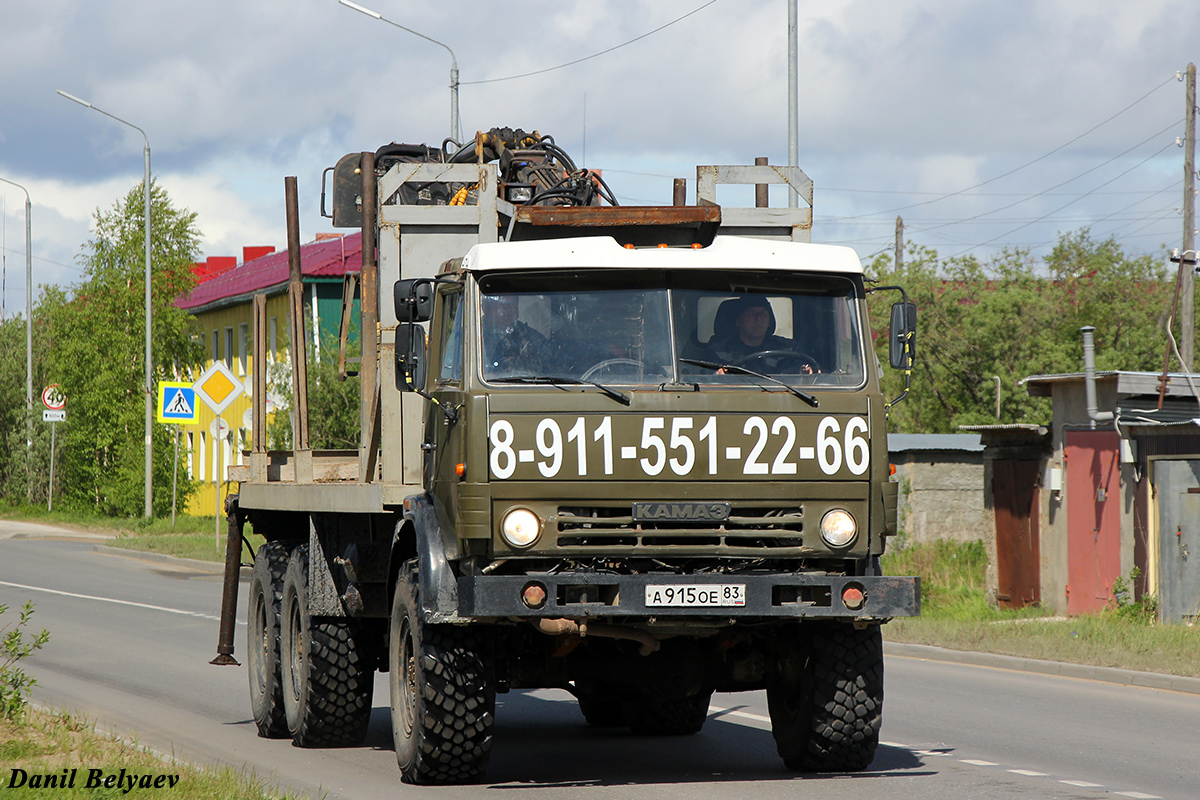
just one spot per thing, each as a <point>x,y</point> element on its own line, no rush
<point>634,453</point>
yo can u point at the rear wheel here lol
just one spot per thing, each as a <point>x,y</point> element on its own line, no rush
<point>601,710</point>
<point>667,716</point>
<point>262,640</point>
<point>326,682</point>
<point>443,693</point>
<point>826,706</point>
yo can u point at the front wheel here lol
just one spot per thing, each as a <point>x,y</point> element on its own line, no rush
<point>826,704</point>
<point>443,693</point>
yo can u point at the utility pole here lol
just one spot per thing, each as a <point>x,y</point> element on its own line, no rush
<point>1187,274</point>
<point>899,243</point>
<point>793,98</point>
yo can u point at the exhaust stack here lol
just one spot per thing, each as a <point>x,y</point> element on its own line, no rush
<point>1089,372</point>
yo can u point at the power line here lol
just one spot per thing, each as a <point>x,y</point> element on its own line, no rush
<point>1076,200</point>
<point>1036,160</point>
<point>593,55</point>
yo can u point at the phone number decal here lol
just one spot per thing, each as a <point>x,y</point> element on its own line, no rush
<point>625,446</point>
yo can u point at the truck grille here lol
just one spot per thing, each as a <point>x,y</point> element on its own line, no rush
<point>748,528</point>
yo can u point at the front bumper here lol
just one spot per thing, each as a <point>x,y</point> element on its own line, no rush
<point>593,595</point>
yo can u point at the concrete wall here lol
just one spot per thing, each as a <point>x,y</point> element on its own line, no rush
<point>942,495</point>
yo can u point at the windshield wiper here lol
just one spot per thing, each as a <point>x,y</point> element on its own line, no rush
<point>555,380</point>
<point>805,396</point>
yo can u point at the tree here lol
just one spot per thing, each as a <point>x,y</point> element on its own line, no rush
<point>1012,318</point>
<point>95,350</point>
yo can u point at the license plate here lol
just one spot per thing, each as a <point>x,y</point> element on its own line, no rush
<point>709,595</point>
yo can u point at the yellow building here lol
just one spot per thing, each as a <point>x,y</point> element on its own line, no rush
<point>221,309</point>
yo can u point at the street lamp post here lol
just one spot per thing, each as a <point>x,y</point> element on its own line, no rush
<point>149,387</point>
<point>453,60</point>
<point>28,335</point>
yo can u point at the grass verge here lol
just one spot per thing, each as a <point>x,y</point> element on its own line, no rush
<point>58,746</point>
<point>190,537</point>
<point>955,614</point>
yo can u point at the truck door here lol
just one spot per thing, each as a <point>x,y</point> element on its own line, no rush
<point>444,429</point>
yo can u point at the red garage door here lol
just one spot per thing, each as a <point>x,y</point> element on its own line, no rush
<point>1093,519</point>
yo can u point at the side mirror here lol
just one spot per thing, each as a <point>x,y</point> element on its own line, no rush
<point>902,335</point>
<point>410,357</point>
<point>413,299</point>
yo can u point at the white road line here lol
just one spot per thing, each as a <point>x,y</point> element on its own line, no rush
<point>114,600</point>
<point>977,763</point>
<point>1083,784</point>
<point>1139,795</point>
<point>734,713</point>
<point>1029,773</point>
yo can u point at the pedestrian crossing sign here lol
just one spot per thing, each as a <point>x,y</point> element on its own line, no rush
<point>176,403</point>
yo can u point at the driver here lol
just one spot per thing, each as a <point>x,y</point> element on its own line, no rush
<point>752,332</point>
<point>510,346</point>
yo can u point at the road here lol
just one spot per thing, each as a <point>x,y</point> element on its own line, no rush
<point>131,641</point>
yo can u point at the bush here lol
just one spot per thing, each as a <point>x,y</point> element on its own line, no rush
<point>15,685</point>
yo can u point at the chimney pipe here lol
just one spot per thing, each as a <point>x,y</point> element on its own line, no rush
<point>1089,372</point>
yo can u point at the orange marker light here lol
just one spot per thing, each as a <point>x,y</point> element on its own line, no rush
<point>662,247</point>
<point>460,470</point>
<point>628,246</point>
<point>891,469</point>
<point>697,246</point>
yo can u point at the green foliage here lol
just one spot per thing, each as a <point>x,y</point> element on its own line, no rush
<point>1012,318</point>
<point>1142,609</point>
<point>333,404</point>
<point>91,342</point>
<point>15,684</point>
<point>952,576</point>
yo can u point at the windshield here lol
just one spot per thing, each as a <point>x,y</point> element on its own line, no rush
<point>627,328</point>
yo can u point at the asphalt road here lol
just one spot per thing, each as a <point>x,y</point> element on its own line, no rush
<point>131,641</point>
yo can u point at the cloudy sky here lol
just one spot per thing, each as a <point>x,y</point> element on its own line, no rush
<point>984,123</point>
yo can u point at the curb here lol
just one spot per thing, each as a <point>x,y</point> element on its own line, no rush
<point>1123,677</point>
<point>210,567</point>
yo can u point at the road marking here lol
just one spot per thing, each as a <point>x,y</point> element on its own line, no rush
<point>1083,784</point>
<point>1139,795</point>
<point>977,763</point>
<point>735,713</point>
<point>1029,773</point>
<point>114,600</point>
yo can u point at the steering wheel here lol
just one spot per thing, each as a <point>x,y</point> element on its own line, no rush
<point>783,355</point>
<point>609,362</point>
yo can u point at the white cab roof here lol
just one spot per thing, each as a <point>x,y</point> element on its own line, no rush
<point>603,252</point>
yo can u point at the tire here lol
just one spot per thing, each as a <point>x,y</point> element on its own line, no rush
<point>262,640</point>
<point>325,680</point>
<point>825,716</point>
<point>443,693</point>
<point>601,711</point>
<point>667,716</point>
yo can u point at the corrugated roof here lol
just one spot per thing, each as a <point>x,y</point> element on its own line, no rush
<point>325,258</point>
<point>901,442</point>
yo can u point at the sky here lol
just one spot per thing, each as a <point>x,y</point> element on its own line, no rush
<point>984,124</point>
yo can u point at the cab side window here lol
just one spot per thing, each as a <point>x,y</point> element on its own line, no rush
<point>450,370</point>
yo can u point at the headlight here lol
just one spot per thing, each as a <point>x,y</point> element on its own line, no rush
<point>838,528</point>
<point>520,527</point>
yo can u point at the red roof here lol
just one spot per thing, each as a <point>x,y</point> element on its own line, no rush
<point>329,258</point>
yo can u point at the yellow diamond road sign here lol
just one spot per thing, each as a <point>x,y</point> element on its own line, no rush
<point>217,387</point>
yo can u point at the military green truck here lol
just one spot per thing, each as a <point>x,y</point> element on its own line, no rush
<point>634,453</point>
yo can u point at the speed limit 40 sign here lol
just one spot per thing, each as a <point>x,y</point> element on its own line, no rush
<point>53,398</point>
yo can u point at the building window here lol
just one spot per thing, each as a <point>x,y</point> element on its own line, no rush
<point>243,337</point>
<point>202,474</point>
<point>229,347</point>
<point>274,328</point>
<point>216,349</point>
<point>191,450</point>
